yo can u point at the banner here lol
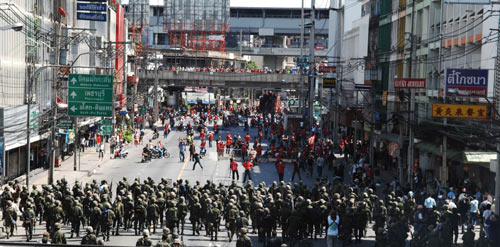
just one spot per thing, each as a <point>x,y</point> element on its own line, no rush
<point>459,111</point>
<point>467,82</point>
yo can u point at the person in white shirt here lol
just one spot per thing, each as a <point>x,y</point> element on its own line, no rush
<point>486,214</point>
<point>333,229</point>
<point>430,203</point>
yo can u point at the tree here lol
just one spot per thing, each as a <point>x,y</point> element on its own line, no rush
<point>251,65</point>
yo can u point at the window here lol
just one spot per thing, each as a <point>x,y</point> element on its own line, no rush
<point>162,39</point>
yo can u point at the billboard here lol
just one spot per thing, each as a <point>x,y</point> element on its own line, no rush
<point>459,111</point>
<point>467,82</point>
<point>409,83</point>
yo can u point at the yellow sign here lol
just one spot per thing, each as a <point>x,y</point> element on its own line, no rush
<point>459,111</point>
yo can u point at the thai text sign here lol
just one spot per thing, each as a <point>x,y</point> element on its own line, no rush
<point>467,82</point>
<point>459,111</point>
<point>409,83</point>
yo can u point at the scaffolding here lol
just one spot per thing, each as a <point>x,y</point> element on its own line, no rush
<point>138,15</point>
<point>197,24</point>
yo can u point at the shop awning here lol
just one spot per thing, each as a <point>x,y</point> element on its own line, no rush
<point>479,157</point>
<point>451,154</point>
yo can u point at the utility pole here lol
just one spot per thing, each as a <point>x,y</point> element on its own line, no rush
<point>312,66</point>
<point>301,96</point>
<point>497,81</point>
<point>55,87</point>
<point>411,119</point>
<point>155,100</point>
<point>334,51</point>
<point>444,170</point>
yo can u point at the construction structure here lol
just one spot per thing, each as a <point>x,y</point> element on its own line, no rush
<point>197,25</point>
<point>138,16</point>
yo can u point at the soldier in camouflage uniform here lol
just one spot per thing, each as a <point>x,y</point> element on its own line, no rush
<point>90,238</point>
<point>139,217</point>
<point>195,215</point>
<point>119,212</point>
<point>182,210</point>
<point>58,236</point>
<point>232,216</point>
<point>213,221</point>
<point>107,219</point>
<point>29,219</point>
<point>75,218</point>
<point>152,211</point>
<point>244,240</point>
<point>171,216</point>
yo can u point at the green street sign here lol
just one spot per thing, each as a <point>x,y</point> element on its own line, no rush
<point>106,122</point>
<point>143,110</point>
<point>106,129</point>
<point>65,123</point>
<point>90,95</point>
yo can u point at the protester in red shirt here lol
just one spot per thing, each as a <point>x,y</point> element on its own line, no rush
<point>259,150</point>
<point>281,170</point>
<point>233,165</point>
<point>210,139</point>
<point>247,165</point>
<point>228,145</point>
<point>202,135</point>
<point>247,138</point>
<point>243,151</point>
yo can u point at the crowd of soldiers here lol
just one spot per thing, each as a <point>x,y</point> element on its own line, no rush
<point>300,212</point>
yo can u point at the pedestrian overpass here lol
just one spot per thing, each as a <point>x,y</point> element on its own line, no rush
<point>220,79</point>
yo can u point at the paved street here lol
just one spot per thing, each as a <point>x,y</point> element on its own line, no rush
<point>115,169</point>
<point>218,171</point>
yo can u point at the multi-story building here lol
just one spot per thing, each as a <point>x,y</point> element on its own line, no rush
<point>83,47</point>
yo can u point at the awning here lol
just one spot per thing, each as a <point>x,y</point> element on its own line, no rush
<point>451,154</point>
<point>479,157</point>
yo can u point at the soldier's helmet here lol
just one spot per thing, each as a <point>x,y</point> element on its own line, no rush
<point>58,226</point>
<point>166,230</point>
<point>214,204</point>
<point>90,229</point>
<point>107,205</point>
<point>181,199</point>
<point>145,233</point>
<point>244,230</point>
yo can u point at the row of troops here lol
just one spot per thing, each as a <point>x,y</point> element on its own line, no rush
<point>300,212</point>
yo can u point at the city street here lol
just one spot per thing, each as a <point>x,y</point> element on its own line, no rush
<point>114,170</point>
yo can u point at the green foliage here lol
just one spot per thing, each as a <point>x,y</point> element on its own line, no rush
<point>251,65</point>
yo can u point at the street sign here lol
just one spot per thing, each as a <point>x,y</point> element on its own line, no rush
<point>106,129</point>
<point>91,7</point>
<point>329,82</point>
<point>106,122</point>
<point>409,83</point>
<point>90,95</point>
<point>90,16</point>
<point>459,111</point>
<point>327,69</point>
<point>143,110</point>
<point>467,82</point>
<point>65,123</point>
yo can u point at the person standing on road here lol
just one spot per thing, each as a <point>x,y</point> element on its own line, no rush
<point>166,131</point>
<point>210,139</point>
<point>296,169</point>
<point>233,165</point>
<point>182,148</point>
<point>281,170</point>
<point>320,162</point>
<point>248,166</point>
<point>196,158</point>
<point>333,229</point>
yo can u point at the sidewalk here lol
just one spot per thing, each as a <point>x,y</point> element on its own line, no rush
<point>88,163</point>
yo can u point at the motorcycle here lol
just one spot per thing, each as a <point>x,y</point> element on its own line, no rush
<point>146,157</point>
<point>121,153</point>
<point>156,135</point>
